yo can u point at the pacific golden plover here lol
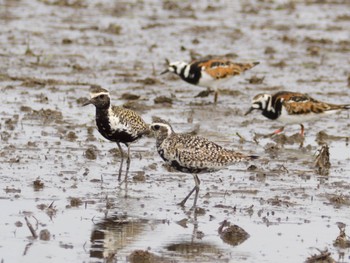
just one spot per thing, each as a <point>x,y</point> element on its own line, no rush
<point>116,123</point>
<point>192,154</point>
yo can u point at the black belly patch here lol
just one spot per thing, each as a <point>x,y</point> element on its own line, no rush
<point>184,169</point>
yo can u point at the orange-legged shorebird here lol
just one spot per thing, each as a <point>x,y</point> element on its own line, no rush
<point>192,154</point>
<point>208,73</point>
<point>116,123</point>
<point>292,107</point>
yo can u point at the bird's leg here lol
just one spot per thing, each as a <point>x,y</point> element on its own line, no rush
<point>278,130</point>
<point>302,133</point>
<point>302,130</point>
<point>195,188</point>
<point>197,181</point>
<point>274,133</point>
<point>127,163</point>
<point>182,203</point>
<point>121,162</point>
<point>216,95</point>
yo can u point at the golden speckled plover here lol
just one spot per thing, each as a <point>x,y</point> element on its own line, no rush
<point>291,107</point>
<point>116,124</point>
<point>208,73</point>
<point>192,154</point>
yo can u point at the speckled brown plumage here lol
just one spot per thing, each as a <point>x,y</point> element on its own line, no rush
<point>116,123</point>
<point>221,68</point>
<point>192,154</point>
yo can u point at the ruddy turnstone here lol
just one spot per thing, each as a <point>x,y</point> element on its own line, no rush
<point>292,107</point>
<point>208,73</point>
<point>192,154</point>
<point>116,123</point>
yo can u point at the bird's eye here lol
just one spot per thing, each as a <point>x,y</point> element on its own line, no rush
<point>101,96</point>
<point>156,127</point>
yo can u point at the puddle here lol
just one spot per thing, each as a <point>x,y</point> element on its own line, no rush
<point>60,174</point>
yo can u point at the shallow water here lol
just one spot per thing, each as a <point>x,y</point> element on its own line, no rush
<point>52,51</point>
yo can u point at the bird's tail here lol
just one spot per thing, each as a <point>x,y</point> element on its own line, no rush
<point>247,66</point>
<point>346,106</point>
<point>253,157</point>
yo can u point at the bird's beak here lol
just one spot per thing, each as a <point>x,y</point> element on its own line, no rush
<point>249,111</point>
<point>165,71</point>
<point>87,103</point>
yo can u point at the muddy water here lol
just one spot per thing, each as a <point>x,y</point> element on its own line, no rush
<point>52,51</point>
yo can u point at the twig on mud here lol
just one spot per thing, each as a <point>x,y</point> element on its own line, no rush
<point>92,220</point>
<point>29,225</point>
<point>225,194</point>
<point>37,223</point>
<point>241,138</point>
<point>283,168</point>
<point>51,205</point>
<point>84,246</point>
<point>27,248</point>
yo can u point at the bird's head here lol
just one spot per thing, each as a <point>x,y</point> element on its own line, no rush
<point>98,97</point>
<point>175,67</point>
<point>259,102</point>
<point>161,128</point>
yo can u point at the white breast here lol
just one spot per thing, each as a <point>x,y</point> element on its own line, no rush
<point>114,122</point>
<point>208,81</point>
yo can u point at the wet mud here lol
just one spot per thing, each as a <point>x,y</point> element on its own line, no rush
<point>60,197</point>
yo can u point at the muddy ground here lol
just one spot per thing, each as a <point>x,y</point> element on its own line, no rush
<point>60,174</point>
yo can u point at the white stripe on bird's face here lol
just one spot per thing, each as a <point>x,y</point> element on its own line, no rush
<point>94,95</point>
<point>262,102</point>
<point>162,128</point>
<point>177,67</point>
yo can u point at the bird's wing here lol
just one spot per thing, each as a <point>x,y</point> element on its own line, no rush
<point>130,118</point>
<point>298,103</point>
<point>221,68</point>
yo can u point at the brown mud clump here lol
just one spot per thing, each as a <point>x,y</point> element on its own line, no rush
<point>75,202</point>
<point>38,185</point>
<point>342,240</point>
<point>144,256</point>
<point>256,80</point>
<point>322,257</point>
<point>139,177</point>
<point>129,96</point>
<point>163,99</point>
<point>232,234</point>
<point>204,93</point>
<point>45,235</point>
<point>90,153</point>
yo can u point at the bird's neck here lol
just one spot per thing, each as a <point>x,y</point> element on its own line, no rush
<point>190,74</point>
<point>161,138</point>
<point>273,108</point>
<point>102,112</point>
